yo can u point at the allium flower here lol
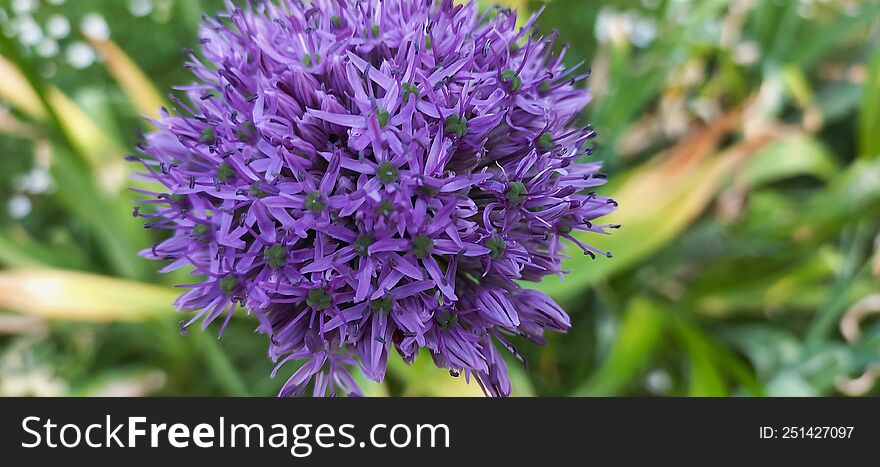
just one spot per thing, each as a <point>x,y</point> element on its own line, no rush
<point>375,176</point>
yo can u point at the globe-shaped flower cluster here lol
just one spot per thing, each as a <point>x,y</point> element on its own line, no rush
<point>373,177</point>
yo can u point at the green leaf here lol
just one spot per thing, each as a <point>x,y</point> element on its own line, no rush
<point>790,156</point>
<point>679,190</point>
<point>823,36</point>
<point>705,378</point>
<point>77,296</point>
<point>869,117</point>
<point>134,82</point>
<point>119,235</point>
<point>423,378</point>
<point>29,253</point>
<point>637,340</point>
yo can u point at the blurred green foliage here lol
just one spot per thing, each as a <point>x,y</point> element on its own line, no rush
<point>741,137</point>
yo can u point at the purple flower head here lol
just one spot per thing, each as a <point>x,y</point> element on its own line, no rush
<point>374,177</point>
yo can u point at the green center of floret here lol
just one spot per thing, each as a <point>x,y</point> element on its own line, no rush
<point>387,172</point>
<point>228,285</point>
<point>275,256</point>
<point>225,172</point>
<point>409,89</point>
<point>513,81</point>
<point>422,246</point>
<point>382,305</point>
<point>496,246</point>
<point>256,192</point>
<point>207,135</point>
<point>335,21</point>
<point>246,132</point>
<point>200,230</point>
<point>362,245</point>
<point>375,30</point>
<point>385,207</point>
<point>314,203</point>
<point>546,140</point>
<point>457,125</point>
<point>515,192</point>
<point>179,198</point>
<point>446,320</point>
<point>427,191</point>
<point>383,116</point>
<point>318,299</point>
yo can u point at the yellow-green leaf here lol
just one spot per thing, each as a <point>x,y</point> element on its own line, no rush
<point>76,296</point>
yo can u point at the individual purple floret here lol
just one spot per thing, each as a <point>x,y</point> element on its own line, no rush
<point>375,176</point>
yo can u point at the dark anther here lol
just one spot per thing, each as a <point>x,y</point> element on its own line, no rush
<point>183,328</point>
<point>136,212</point>
<point>454,373</point>
<point>192,182</point>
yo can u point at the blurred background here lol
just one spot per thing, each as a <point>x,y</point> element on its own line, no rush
<point>742,139</point>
